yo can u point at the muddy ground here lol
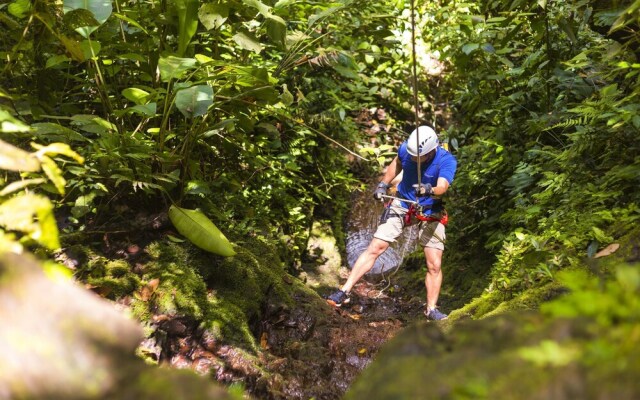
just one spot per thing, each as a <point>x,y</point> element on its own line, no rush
<point>310,351</point>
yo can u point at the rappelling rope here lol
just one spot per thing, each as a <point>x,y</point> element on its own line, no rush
<point>414,73</point>
<point>414,70</point>
<point>415,82</point>
<point>387,279</point>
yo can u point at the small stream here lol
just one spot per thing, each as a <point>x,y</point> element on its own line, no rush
<point>362,224</point>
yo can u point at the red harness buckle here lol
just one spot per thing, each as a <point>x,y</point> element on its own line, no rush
<point>444,220</point>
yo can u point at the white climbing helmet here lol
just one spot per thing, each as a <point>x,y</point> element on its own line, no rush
<point>422,140</point>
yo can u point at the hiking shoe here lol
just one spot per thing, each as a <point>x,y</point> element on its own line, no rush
<point>435,315</point>
<point>338,298</point>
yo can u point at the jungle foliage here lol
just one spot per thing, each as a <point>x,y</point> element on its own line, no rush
<point>242,109</point>
<point>546,124</point>
<point>250,111</point>
<point>246,110</point>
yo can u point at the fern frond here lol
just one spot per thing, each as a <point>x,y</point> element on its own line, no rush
<point>571,122</point>
<point>323,60</point>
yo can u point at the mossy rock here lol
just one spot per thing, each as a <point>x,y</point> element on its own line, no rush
<point>59,341</point>
<point>509,356</point>
<point>111,278</point>
<point>227,294</point>
<point>496,302</point>
<point>584,343</point>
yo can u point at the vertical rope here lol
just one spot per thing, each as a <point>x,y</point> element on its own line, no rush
<point>415,83</point>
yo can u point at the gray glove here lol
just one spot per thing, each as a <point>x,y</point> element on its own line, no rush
<point>380,191</point>
<point>423,189</point>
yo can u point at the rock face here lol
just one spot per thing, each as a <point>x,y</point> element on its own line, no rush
<point>58,341</point>
<point>503,357</point>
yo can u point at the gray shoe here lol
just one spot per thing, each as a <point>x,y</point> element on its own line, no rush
<point>338,298</point>
<point>435,315</point>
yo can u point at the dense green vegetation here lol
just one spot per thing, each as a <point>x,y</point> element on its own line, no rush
<point>224,106</point>
<point>254,112</point>
<point>547,128</point>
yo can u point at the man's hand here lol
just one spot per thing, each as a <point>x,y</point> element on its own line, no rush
<point>423,189</point>
<point>380,191</point>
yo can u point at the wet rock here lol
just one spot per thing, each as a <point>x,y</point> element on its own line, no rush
<point>174,327</point>
<point>203,365</point>
<point>180,361</point>
<point>208,340</point>
<point>150,348</point>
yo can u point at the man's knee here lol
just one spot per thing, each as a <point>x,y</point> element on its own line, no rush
<point>434,266</point>
<point>434,260</point>
<point>377,247</point>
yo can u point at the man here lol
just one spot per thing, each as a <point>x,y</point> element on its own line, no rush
<point>424,206</point>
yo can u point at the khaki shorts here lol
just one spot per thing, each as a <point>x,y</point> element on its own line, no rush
<point>431,234</point>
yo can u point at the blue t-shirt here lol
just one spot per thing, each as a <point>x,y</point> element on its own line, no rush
<point>443,165</point>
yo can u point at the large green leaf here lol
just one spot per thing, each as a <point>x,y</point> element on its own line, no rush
<point>212,15</point>
<point>101,10</point>
<point>247,41</point>
<point>16,159</point>
<point>194,101</point>
<point>51,131</point>
<point>277,31</point>
<point>90,48</point>
<point>20,8</point>
<point>172,67</point>
<point>32,215</point>
<point>199,229</point>
<point>187,22</point>
<point>138,96</point>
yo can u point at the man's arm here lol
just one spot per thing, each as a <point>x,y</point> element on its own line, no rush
<point>441,188</point>
<point>445,176</point>
<point>392,171</point>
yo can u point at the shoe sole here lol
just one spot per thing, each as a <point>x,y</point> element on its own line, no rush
<point>333,303</point>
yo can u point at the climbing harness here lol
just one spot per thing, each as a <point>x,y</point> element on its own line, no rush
<point>415,210</point>
<point>418,212</point>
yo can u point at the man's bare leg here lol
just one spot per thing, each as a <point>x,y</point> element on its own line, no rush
<point>365,262</point>
<point>433,280</point>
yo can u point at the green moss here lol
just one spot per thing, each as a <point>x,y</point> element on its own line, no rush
<point>323,261</point>
<point>477,359</point>
<point>229,322</point>
<point>531,299</point>
<point>181,289</point>
<point>224,293</point>
<point>479,306</point>
<point>496,302</point>
<point>113,278</point>
<point>146,382</point>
